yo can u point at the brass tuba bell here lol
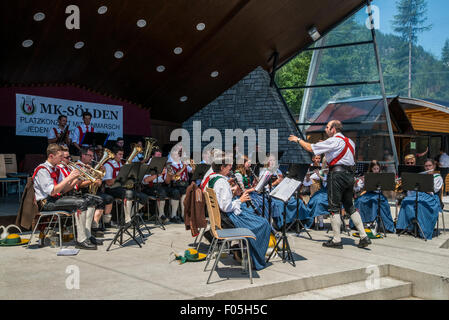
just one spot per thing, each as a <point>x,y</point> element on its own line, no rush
<point>134,153</point>
<point>149,146</point>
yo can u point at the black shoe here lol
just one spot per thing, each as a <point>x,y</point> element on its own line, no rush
<point>364,242</point>
<point>95,241</point>
<point>332,244</point>
<point>85,245</point>
<point>97,233</point>
<point>173,220</point>
<point>163,219</point>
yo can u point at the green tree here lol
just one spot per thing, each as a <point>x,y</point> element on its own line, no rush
<point>445,53</point>
<point>409,22</point>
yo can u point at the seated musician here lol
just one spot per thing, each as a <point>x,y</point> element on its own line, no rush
<point>277,206</point>
<point>318,205</point>
<point>428,204</point>
<point>367,202</point>
<point>233,213</point>
<point>105,207</point>
<point>49,194</point>
<point>177,180</point>
<point>154,186</point>
<point>112,170</point>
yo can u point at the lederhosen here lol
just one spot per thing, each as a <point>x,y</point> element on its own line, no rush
<point>59,202</point>
<point>340,182</point>
<point>178,188</point>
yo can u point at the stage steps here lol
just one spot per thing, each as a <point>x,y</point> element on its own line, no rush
<point>387,288</point>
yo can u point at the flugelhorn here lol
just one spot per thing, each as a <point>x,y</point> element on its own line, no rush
<point>85,173</point>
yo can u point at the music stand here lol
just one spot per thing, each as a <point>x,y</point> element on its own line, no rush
<point>155,167</point>
<point>95,138</point>
<point>128,174</point>
<point>284,192</point>
<point>418,183</point>
<point>298,172</point>
<point>380,182</point>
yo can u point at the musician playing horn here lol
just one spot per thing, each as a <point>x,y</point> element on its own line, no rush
<point>49,193</point>
<point>339,152</point>
<point>61,133</point>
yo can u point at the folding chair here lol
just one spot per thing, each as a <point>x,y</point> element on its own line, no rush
<point>59,214</point>
<point>224,235</point>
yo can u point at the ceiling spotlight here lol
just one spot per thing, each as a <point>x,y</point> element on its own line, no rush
<point>183,99</point>
<point>314,34</point>
<point>200,26</point>
<point>214,74</point>
<point>141,23</point>
<point>118,54</point>
<point>39,16</point>
<point>79,45</point>
<point>102,10</point>
<point>160,68</point>
<point>27,43</point>
<point>177,50</point>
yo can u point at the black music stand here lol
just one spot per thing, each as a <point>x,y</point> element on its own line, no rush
<point>284,191</point>
<point>95,138</point>
<point>298,172</point>
<point>266,180</point>
<point>155,167</point>
<point>418,183</point>
<point>380,182</point>
<point>128,174</point>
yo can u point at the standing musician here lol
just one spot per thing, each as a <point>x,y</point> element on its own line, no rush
<point>233,213</point>
<point>79,132</point>
<point>367,202</point>
<point>339,152</point>
<point>177,177</point>
<point>49,194</point>
<point>60,134</point>
<point>428,204</point>
<point>154,186</point>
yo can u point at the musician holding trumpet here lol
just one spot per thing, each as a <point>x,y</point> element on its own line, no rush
<point>339,152</point>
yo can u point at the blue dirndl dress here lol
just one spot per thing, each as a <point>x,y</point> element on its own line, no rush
<point>261,229</point>
<point>428,209</point>
<point>367,206</point>
<point>318,204</point>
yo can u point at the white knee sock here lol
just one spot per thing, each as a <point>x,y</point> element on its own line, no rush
<point>160,207</point>
<point>182,205</point>
<point>128,207</point>
<point>336,224</point>
<point>355,217</point>
<point>88,223</point>
<point>174,207</point>
<point>80,219</point>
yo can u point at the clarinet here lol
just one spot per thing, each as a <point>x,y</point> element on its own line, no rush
<point>63,135</point>
<point>242,187</point>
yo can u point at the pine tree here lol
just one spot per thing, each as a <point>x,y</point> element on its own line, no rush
<point>445,53</point>
<point>409,22</point>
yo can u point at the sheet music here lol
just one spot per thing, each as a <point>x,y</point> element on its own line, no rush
<point>263,181</point>
<point>285,189</point>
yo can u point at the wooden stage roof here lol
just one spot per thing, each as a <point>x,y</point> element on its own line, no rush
<point>182,56</point>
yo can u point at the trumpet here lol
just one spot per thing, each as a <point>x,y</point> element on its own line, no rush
<point>85,172</point>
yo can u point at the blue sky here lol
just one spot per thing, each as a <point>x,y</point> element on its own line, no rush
<point>437,15</point>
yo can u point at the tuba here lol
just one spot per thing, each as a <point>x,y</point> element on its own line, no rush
<point>149,146</point>
<point>134,153</point>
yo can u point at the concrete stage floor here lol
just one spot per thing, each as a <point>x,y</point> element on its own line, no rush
<point>131,272</point>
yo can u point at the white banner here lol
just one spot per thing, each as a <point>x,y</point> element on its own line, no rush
<point>36,115</point>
